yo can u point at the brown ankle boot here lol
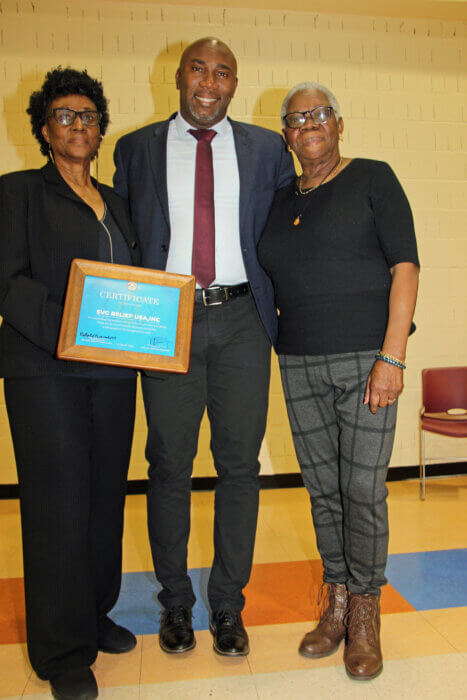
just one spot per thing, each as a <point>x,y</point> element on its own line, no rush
<point>362,656</point>
<point>330,631</point>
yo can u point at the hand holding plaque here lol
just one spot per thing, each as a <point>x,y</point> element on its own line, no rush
<point>127,316</point>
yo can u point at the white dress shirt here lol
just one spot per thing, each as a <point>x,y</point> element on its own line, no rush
<point>181,161</point>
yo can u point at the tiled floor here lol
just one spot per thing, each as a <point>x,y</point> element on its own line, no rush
<point>424,623</point>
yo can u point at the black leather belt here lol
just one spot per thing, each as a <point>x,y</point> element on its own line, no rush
<point>212,296</point>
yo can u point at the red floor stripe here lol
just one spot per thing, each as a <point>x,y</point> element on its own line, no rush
<point>287,592</point>
<point>12,614</point>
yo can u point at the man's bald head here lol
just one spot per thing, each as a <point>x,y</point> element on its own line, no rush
<point>207,79</point>
<point>210,42</point>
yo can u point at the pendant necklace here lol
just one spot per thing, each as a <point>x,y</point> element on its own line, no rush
<point>308,190</point>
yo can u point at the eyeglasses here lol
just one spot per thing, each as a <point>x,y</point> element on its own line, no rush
<point>66,116</point>
<point>320,115</point>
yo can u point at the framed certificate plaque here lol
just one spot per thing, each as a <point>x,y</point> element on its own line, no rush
<point>127,316</point>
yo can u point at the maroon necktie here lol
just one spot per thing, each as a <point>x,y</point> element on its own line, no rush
<point>203,263</point>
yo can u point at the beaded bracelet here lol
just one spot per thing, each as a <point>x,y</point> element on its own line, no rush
<point>390,359</point>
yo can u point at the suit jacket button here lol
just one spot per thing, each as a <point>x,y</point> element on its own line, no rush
<point>134,244</point>
<point>164,247</point>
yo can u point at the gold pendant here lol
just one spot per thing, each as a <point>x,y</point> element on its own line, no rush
<point>297,221</point>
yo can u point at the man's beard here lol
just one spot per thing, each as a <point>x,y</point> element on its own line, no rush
<point>207,119</point>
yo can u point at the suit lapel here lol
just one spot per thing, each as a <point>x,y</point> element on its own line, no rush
<point>53,177</point>
<point>243,148</point>
<point>158,163</point>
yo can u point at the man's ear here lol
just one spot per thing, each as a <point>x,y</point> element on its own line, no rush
<point>177,79</point>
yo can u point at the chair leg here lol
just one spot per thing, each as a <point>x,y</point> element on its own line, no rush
<point>422,468</point>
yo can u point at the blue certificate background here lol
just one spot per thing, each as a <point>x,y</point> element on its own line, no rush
<point>132,316</point>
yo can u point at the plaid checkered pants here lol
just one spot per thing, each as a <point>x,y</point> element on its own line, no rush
<point>343,451</point>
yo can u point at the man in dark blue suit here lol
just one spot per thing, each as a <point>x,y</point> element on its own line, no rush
<point>200,187</point>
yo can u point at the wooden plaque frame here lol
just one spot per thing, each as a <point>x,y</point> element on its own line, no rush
<point>67,348</point>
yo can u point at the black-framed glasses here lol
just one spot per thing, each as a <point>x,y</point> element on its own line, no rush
<point>66,116</point>
<point>320,115</point>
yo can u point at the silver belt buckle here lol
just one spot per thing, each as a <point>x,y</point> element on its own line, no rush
<point>215,303</point>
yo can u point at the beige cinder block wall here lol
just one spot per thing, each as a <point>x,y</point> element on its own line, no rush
<point>402,87</point>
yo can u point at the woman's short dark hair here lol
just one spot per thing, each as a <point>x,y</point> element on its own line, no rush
<point>64,81</point>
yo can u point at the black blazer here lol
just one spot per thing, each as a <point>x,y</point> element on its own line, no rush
<point>44,225</point>
<point>264,166</point>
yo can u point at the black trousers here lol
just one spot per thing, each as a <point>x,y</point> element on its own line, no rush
<point>72,441</point>
<point>229,374</point>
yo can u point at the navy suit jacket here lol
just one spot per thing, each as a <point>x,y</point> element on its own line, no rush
<point>141,176</point>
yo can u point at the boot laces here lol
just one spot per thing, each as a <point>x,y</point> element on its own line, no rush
<point>327,606</point>
<point>325,601</point>
<point>361,617</point>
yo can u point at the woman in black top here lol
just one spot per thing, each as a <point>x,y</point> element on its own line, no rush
<point>71,423</point>
<point>340,249</point>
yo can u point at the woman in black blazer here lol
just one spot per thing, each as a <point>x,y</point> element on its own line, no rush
<point>71,423</point>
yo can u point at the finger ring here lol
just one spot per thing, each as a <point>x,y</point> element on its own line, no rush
<point>391,400</point>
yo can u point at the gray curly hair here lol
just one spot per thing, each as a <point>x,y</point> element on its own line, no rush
<point>310,87</point>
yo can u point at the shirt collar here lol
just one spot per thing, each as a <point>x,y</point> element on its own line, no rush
<point>182,127</point>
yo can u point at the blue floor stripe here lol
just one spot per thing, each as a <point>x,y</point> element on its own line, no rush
<point>430,580</point>
<point>138,608</point>
<point>427,580</point>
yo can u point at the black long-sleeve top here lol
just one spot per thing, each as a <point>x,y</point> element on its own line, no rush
<point>331,273</point>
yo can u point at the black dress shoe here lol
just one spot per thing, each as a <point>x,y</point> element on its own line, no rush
<point>230,637</point>
<point>176,633</point>
<point>114,639</point>
<point>75,684</point>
